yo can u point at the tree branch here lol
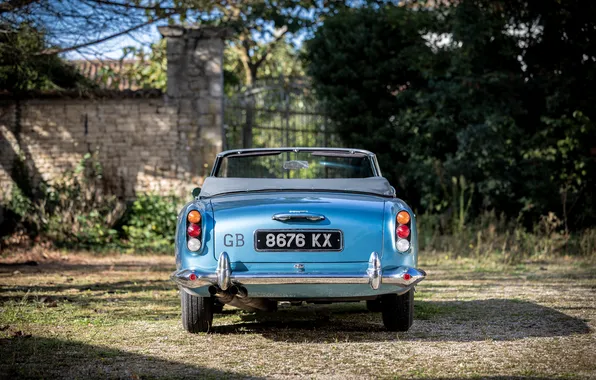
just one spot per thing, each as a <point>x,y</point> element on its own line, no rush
<point>135,6</point>
<point>12,5</point>
<point>269,48</point>
<point>89,43</point>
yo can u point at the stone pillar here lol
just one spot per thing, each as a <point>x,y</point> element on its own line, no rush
<point>195,88</point>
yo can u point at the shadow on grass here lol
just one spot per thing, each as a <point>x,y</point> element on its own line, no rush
<point>31,267</point>
<point>493,319</point>
<point>120,300</point>
<point>47,358</point>
<point>108,287</point>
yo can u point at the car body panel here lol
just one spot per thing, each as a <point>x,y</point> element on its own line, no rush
<point>359,218</point>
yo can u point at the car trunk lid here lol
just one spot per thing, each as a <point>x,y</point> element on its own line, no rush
<point>357,219</point>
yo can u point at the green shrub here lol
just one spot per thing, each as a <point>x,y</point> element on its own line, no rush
<point>75,211</point>
<point>17,202</point>
<point>150,222</point>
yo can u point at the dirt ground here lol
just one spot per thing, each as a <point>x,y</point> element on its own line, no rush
<point>67,315</point>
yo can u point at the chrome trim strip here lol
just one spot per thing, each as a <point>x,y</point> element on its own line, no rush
<point>284,217</point>
<point>294,149</point>
<point>223,154</point>
<point>183,278</point>
<point>341,236</point>
<point>374,276</point>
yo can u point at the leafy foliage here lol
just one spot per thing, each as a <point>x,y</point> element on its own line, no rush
<point>21,69</point>
<point>490,94</point>
<point>75,211</point>
<point>151,222</point>
<point>145,70</point>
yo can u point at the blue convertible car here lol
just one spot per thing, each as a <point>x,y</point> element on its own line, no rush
<point>296,224</point>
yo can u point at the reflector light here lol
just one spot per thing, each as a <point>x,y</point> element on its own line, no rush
<point>194,216</point>
<point>193,244</point>
<point>403,231</point>
<point>193,230</point>
<point>407,276</point>
<point>192,277</point>
<point>403,217</point>
<point>403,245</point>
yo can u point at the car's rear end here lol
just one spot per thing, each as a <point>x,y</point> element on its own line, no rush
<point>252,243</point>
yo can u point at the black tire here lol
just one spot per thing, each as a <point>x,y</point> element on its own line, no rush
<point>398,311</point>
<point>217,306</point>
<point>374,305</point>
<point>197,312</point>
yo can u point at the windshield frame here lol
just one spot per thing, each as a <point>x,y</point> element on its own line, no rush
<point>268,151</point>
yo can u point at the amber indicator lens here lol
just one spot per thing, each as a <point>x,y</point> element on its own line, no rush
<point>403,217</point>
<point>194,216</point>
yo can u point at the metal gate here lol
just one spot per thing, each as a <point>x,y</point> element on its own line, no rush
<point>276,112</point>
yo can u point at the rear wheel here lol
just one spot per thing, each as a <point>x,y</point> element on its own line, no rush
<point>197,312</point>
<point>398,311</point>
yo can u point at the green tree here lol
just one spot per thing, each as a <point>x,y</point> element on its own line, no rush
<point>482,93</point>
<point>21,69</point>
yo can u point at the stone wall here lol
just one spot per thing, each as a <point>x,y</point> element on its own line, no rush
<point>146,141</point>
<point>135,140</point>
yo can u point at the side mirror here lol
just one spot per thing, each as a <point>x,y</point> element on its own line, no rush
<point>196,191</point>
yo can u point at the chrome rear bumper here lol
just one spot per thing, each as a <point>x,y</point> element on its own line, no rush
<point>224,278</point>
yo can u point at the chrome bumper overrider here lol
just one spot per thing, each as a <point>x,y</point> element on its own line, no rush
<point>224,278</point>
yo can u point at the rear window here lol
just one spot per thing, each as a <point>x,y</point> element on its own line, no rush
<point>296,165</point>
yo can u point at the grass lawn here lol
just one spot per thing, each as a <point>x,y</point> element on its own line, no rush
<point>118,316</point>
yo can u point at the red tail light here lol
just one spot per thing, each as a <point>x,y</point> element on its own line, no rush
<point>403,231</point>
<point>193,230</point>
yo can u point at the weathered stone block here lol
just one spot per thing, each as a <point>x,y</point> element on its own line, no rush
<point>125,127</point>
<point>197,84</point>
<point>216,87</point>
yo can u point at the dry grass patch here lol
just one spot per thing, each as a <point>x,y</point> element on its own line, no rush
<point>118,317</point>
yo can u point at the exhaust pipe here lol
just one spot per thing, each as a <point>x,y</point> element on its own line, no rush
<point>238,297</point>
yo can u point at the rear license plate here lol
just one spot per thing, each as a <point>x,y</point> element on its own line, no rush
<point>299,240</point>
